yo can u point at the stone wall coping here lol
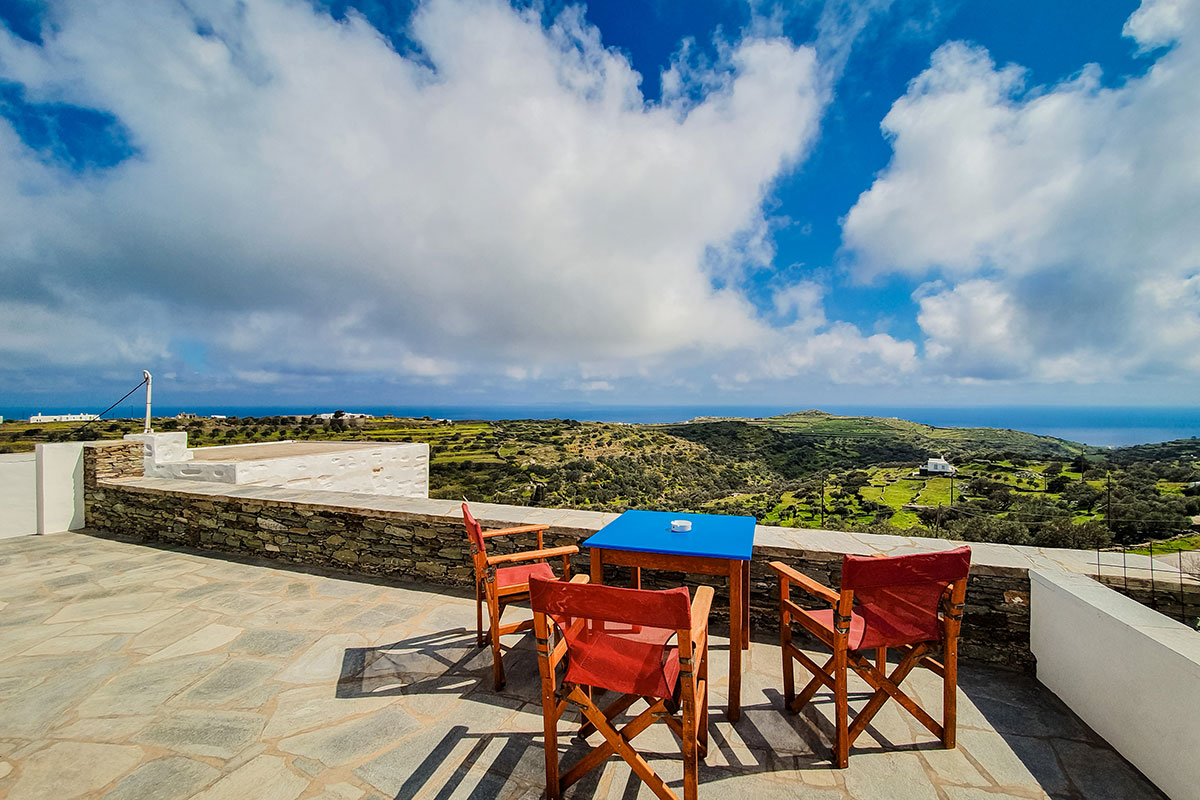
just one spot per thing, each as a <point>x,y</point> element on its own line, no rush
<point>770,541</point>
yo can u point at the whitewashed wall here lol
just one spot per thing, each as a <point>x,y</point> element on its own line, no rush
<point>1130,673</point>
<point>18,499</point>
<point>398,469</point>
<point>59,487</point>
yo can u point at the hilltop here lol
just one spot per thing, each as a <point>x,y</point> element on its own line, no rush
<point>798,444</point>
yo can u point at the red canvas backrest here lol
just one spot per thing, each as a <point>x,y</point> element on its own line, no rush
<point>898,596</point>
<point>474,532</point>
<point>669,608</point>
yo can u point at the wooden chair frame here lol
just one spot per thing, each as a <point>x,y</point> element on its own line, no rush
<point>691,726</point>
<point>833,674</point>
<point>497,597</point>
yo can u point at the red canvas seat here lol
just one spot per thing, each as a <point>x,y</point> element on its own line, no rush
<point>912,602</point>
<point>498,585</point>
<point>515,576</point>
<point>649,645</point>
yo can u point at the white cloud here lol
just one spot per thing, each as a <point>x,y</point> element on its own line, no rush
<point>844,355</point>
<point>304,199</point>
<point>1064,217</point>
<point>33,335</point>
<point>1158,23</point>
<point>973,330</point>
<point>840,25</point>
<point>801,304</point>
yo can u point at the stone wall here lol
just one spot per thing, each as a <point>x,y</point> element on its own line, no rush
<point>424,540</point>
<point>110,459</point>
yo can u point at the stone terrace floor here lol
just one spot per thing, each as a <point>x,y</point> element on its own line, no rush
<point>130,671</point>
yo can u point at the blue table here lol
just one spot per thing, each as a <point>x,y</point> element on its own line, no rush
<point>716,545</point>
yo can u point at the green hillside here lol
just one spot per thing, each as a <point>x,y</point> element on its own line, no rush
<point>807,469</point>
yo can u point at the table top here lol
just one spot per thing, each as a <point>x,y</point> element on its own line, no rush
<point>711,536</point>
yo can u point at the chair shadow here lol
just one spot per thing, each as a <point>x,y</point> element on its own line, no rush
<point>434,663</point>
<point>491,774</point>
<point>450,662</point>
<point>486,772</point>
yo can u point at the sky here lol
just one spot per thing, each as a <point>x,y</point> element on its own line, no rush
<point>867,202</point>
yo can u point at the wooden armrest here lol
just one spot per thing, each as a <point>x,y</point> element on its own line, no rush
<point>701,605</point>
<point>533,555</point>
<point>521,529</point>
<point>804,582</point>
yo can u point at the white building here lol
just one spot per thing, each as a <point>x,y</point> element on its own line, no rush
<point>938,467</point>
<point>63,417</point>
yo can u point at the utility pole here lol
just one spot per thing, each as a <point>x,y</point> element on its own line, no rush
<point>952,490</point>
<point>1108,506</point>
<point>823,476</point>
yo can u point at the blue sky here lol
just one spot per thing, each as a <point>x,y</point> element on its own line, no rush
<point>869,203</point>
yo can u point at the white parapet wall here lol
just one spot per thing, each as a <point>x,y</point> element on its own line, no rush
<point>399,469</point>
<point>18,500</point>
<point>1129,672</point>
<point>59,487</point>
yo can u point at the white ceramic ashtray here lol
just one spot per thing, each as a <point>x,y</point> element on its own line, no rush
<point>681,525</point>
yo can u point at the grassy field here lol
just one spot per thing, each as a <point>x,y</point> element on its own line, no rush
<point>1182,544</point>
<point>936,492</point>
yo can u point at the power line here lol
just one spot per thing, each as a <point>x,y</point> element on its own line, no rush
<point>99,416</point>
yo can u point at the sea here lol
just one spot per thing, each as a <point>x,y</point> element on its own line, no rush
<point>1101,426</point>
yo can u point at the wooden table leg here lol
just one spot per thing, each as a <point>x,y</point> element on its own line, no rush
<point>597,565</point>
<point>635,577</point>
<point>734,711</point>
<point>745,605</point>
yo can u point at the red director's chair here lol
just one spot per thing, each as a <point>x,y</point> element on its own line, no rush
<point>912,602</point>
<point>620,640</point>
<point>499,585</point>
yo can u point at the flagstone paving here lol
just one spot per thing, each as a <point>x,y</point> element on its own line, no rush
<point>129,671</point>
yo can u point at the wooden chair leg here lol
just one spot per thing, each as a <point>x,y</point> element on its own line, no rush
<point>479,642</point>
<point>703,701</point>
<point>950,695</point>
<point>494,612</point>
<point>690,744</point>
<point>841,711</point>
<point>789,674</point>
<point>550,734</point>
